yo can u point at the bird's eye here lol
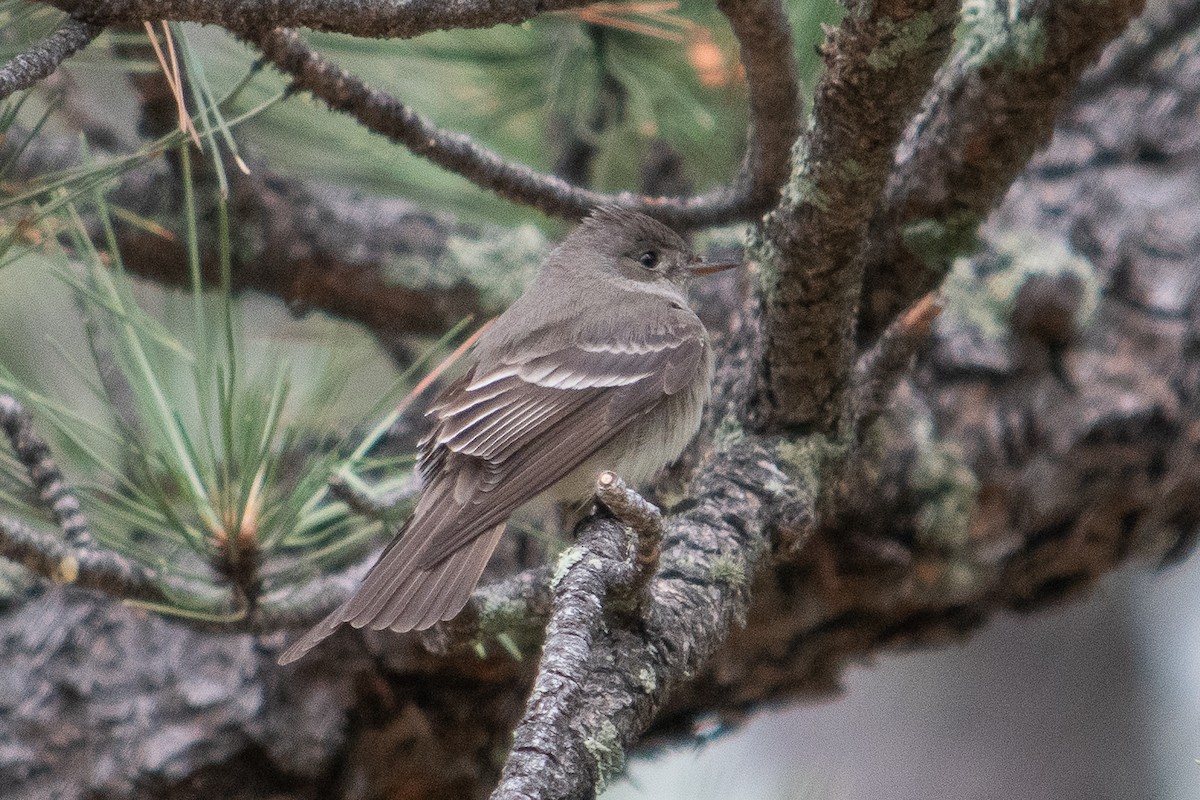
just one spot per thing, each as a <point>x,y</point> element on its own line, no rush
<point>648,259</point>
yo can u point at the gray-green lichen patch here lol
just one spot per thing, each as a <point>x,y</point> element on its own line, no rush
<point>765,256</point>
<point>647,680</point>
<point>998,34</point>
<point>729,431</point>
<point>499,266</point>
<point>938,242</point>
<point>981,291</point>
<point>729,570</point>
<point>569,558</point>
<point>800,189</point>
<point>801,186</point>
<point>803,459</point>
<point>946,486</point>
<point>606,750</point>
<point>900,39</point>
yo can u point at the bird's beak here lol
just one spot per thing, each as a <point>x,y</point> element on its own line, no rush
<point>700,267</point>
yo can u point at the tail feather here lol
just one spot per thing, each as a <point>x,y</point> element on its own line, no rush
<point>396,594</point>
<point>457,584</point>
<point>315,635</point>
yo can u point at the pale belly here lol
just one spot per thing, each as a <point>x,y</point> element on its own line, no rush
<point>639,452</point>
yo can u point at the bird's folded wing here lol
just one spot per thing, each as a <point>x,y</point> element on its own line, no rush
<point>510,433</point>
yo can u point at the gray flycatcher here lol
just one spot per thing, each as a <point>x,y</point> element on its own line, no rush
<point>600,365</point>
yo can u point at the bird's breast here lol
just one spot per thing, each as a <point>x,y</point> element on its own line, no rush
<point>648,443</point>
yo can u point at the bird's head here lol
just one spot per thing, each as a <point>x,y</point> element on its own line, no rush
<point>628,245</point>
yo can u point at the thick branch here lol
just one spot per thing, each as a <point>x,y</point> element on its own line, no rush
<point>40,60</point>
<point>878,64</point>
<point>597,563</point>
<point>993,105</point>
<point>603,685</point>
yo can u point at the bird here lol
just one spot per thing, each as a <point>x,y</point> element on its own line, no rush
<point>601,365</point>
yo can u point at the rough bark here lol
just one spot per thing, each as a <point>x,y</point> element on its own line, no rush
<point>993,104</point>
<point>39,61</point>
<point>374,18</point>
<point>878,65</point>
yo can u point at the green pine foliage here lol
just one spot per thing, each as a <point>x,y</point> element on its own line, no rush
<point>190,445</point>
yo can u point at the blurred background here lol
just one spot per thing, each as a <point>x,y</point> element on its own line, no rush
<point>1098,700</point>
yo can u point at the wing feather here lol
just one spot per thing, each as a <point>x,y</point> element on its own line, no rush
<point>547,452</point>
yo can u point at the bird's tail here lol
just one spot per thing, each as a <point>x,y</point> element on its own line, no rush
<point>396,594</point>
<point>315,635</point>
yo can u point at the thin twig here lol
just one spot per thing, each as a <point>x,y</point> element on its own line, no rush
<point>52,490</point>
<point>378,20</point>
<point>52,558</point>
<point>40,60</point>
<point>880,369</point>
<point>639,515</point>
<point>766,45</point>
<point>75,558</point>
<point>368,503</point>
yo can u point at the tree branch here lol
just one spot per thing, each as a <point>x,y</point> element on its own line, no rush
<point>881,368</point>
<point>762,29</point>
<point>599,686</point>
<point>52,558</point>
<point>379,19</point>
<point>34,455</point>
<point>40,60</point>
<point>993,105</point>
<point>375,260</point>
<point>764,35</point>
<point>76,558</point>
<point>878,64</point>
<point>598,562</point>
